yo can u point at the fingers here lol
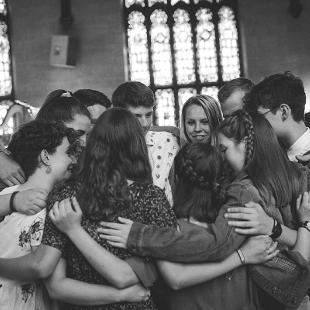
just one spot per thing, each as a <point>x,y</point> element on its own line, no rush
<point>107,231</point>
<point>124,220</point>
<point>112,225</point>
<point>272,248</point>
<point>243,231</point>
<point>76,205</point>
<point>242,210</point>
<point>19,176</point>
<point>117,245</point>
<point>241,224</point>
<point>8,182</point>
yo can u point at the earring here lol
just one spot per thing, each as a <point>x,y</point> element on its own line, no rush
<point>48,170</point>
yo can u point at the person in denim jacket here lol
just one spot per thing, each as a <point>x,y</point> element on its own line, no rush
<point>262,174</point>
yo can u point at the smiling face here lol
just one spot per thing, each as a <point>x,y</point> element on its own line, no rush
<point>233,152</point>
<point>197,125</point>
<point>60,161</point>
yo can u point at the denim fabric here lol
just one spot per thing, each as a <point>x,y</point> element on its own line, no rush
<point>281,278</point>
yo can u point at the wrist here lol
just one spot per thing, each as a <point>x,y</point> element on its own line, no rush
<point>73,231</point>
<point>11,203</point>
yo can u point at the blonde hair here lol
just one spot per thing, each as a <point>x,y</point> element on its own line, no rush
<point>213,113</point>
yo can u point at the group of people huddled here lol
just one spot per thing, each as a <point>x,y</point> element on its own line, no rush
<point>100,209</point>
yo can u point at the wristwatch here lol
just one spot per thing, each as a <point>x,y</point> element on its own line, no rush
<point>305,224</point>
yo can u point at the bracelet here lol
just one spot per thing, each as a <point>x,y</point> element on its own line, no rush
<point>12,208</point>
<point>241,256</point>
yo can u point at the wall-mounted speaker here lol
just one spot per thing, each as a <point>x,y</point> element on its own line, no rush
<point>63,51</point>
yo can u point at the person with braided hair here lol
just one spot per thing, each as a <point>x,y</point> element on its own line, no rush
<point>260,173</point>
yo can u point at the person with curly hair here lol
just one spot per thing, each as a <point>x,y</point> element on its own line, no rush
<point>200,117</point>
<point>43,151</point>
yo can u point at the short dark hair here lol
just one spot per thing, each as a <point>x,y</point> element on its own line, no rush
<point>230,87</point>
<point>276,89</point>
<point>90,97</point>
<point>115,151</point>
<point>33,137</point>
<point>133,94</point>
<point>198,168</point>
<point>61,106</point>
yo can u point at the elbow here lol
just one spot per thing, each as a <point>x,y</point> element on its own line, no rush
<point>174,283</point>
<point>40,270</point>
<point>122,282</point>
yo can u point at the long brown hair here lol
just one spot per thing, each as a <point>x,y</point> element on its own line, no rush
<point>115,152</point>
<point>266,164</point>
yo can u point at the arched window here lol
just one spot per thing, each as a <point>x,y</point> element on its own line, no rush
<point>181,48</point>
<point>6,81</point>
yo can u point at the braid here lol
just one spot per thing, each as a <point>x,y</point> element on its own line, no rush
<point>194,177</point>
<point>249,138</point>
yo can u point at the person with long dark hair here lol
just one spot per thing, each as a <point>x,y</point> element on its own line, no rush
<point>114,180</point>
<point>244,141</point>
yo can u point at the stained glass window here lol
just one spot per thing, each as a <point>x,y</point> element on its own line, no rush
<point>6,82</point>
<point>181,48</point>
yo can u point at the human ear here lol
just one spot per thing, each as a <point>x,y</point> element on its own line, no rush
<point>285,111</point>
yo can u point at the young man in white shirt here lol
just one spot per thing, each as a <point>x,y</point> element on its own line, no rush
<point>281,99</point>
<point>162,145</point>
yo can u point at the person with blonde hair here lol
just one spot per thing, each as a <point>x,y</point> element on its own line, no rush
<point>200,116</point>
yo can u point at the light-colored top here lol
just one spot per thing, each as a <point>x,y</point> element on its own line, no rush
<point>300,147</point>
<point>19,235</point>
<point>162,148</point>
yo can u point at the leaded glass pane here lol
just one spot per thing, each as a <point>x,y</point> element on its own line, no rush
<point>160,47</point>
<point>129,3</point>
<point>210,91</point>
<point>206,48</point>
<point>3,9</point>
<point>138,49</point>
<point>9,128</point>
<point>229,51</point>
<point>183,47</point>
<point>165,107</point>
<point>151,2</point>
<point>197,1</point>
<point>173,2</point>
<point>183,95</point>
<point>5,76</point>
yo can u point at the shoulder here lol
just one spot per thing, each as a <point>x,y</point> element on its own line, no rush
<point>146,190</point>
<point>162,137</point>
<point>243,190</point>
<point>61,191</point>
<point>168,129</point>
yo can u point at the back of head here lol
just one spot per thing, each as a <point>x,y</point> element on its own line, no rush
<point>115,151</point>
<point>90,97</point>
<point>277,89</point>
<point>31,139</point>
<point>133,94</point>
<point>61,106</point>
<point>230,87</point>
<point>198,168</point>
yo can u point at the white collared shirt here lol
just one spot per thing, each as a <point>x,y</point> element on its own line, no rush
<point>300,147</point>
<point>162,148</point>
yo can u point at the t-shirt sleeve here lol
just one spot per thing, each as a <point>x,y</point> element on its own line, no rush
<point>36,229</point>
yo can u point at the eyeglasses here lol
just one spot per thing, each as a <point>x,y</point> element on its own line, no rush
<point>269,110</point>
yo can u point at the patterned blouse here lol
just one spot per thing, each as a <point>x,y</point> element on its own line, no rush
<point>19,235</point>
<point>150,206</point>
